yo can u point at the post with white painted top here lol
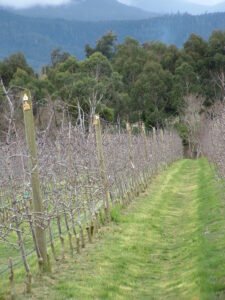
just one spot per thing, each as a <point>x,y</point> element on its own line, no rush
<point>37,201</point>
<point>102,165</point>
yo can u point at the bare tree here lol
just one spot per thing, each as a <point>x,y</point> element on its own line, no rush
<point>191,116</point>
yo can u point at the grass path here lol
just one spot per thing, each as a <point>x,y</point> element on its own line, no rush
<point>168,244</point>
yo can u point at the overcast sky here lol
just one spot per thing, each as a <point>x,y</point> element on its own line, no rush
<point>206,2</point>
<point>27,3</point>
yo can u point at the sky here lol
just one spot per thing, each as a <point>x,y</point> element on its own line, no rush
<point>28,3</point>
<point>204,2</point>
<point>207,2</point>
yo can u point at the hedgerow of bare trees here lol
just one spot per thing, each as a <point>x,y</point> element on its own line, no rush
<point>84,172</point>
<point>212,138</point>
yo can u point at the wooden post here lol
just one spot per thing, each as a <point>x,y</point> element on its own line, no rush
<point>130,143</point>
<point>155,148</point>
<point>70,155</point>
<point>154,135</point>
<point>146,155</point>
<point>145,141</point>
<point>131,159</point>
<point>102,164</point>
<point>162,150</point>
<point>37,201</point>
<point>11,279</point>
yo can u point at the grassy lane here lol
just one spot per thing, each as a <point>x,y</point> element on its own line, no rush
<point>169,244</point>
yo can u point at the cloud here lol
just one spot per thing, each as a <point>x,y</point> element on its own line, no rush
<point>204,2</point>
<point>29,3</point>
<point>129,2</point>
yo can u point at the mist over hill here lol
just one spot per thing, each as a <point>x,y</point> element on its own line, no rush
<point>219,7</point>
<point>87,10</point>
<point>37,37</point>
<point>174,6</point>
<point>104,10</point>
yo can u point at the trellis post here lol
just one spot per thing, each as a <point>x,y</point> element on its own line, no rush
<point>145,140</point>
<point>35,181</point>
<point>102,165</point>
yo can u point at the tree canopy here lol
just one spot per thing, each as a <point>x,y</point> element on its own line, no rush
<point>143,82</point>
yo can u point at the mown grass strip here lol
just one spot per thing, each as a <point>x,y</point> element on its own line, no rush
<point>168,244</point>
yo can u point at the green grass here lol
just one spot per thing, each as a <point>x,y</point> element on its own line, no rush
<point>168,244</point>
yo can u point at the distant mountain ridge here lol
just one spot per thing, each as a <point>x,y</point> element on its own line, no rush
<point>37,37</point>
<point>174,6</point>
<point>87,10</point>
<point>108,10</point>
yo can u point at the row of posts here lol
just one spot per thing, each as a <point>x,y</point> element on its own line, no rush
<point>31,144</point>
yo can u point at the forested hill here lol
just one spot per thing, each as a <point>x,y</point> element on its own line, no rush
<point>88,10</point>
<point>36,37</point>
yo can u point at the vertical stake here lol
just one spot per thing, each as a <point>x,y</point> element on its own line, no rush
<point>11,279</point>
<point>154,135</point>
<point>162,135</point>
<point>131,156</point>
<point>163,148</point>
<point>145,140</point>
<point>155,147</point>
<point>146,152</point>
<point>102,164</point>
<point>130,143</point>
<point>37,201</point>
